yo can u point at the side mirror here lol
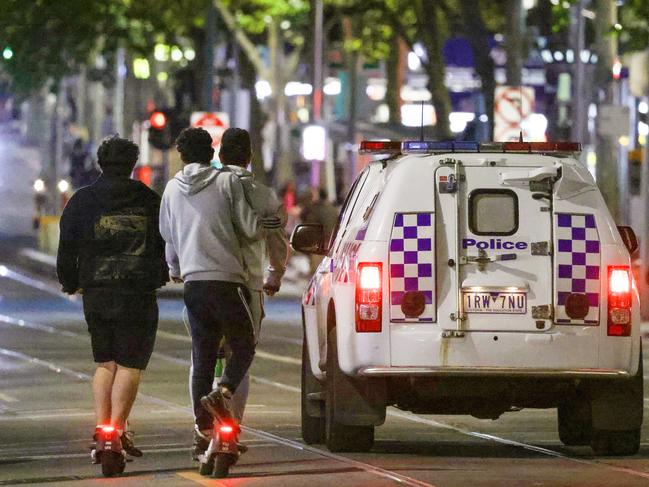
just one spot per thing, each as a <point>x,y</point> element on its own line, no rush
<point>309,238</point>
<point>629,238</point>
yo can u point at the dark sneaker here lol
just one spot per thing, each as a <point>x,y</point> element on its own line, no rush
<point>128,445</point>
<point>200,444</point>
<point>219,404</point>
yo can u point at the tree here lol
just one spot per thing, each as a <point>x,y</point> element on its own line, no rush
<point>283,23</point>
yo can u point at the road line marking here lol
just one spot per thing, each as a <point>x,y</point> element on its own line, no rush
<point>199,479</point>
<point>7,398</point>
<point>29,281</point>
<point>372,469</point>
<point>35,283</point>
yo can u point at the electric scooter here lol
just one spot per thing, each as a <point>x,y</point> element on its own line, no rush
<point>109,452</point>
<point>223,451</point>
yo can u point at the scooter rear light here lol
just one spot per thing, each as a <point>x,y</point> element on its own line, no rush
<point>227,429</point>
<point>107,429</point>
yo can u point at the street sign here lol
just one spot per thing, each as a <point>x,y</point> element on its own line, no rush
<point>214,122</point>
<point>512,106</point>
<point>613,120</point>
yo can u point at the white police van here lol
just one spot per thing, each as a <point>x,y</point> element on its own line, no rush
<point>467,278</point>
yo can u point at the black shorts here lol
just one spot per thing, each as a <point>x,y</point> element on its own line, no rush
<point>122,326</point>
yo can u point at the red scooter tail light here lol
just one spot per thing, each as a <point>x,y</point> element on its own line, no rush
<point>107,429</point>
<point>369,297</point>
<point>226,429</point>
<point>619,301</point>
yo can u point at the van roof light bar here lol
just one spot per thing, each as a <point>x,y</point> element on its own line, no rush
<point>379,147</point>
<point>432,147</point>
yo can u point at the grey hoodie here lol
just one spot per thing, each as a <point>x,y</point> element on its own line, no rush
<point>204,217</point>
<point>274,248</point>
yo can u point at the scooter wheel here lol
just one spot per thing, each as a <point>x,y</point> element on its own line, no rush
<point>112,463</point>
<point>207,467</point>
<point>223,463</point>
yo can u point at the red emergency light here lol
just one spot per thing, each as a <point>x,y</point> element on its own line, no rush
<point>379,147</point>
<point>619,301</point>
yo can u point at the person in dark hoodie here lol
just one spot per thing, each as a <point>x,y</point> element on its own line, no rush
<point>111,252</point>
<point>204,217</point>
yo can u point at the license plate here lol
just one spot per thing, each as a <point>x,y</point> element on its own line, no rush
<point>495,302</point>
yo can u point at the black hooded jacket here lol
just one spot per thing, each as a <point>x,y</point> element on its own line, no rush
<point>110,238</point>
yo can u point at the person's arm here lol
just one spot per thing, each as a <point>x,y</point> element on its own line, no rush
<point>67,260</point>
<point>244,219</point>
<point>158,242</point>
<point>171,256</point>
<point>278,250</point>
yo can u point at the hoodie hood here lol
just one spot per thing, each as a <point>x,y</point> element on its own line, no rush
<point>194,178</point>
<point>118,191</point>
<point>240,171</point>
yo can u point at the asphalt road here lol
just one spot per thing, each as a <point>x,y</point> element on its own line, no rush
<point>46,415</point>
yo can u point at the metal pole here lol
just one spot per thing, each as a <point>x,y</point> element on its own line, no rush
<point>644,236</point>
<point>579,91</point>
<point>118,99</point>
<point>317,62</point>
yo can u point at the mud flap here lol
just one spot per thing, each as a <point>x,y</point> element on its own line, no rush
<point>358,401</point>
<point>618,406</point>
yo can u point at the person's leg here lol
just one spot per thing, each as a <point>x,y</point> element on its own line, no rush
<point>238,324</point>
<point>102,384</point>
<point>202,309</point>
<point>125,386</point>
<point>240,397</point>
<point>95,306</point>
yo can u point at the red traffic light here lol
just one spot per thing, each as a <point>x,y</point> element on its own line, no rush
<point>158,120</point>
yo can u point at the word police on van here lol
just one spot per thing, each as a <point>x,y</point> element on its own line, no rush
<point>467,278</point>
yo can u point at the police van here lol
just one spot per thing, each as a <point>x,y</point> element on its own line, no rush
<point>478,279</point>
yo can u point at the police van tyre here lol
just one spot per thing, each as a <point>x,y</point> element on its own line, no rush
<point>313,427</point>
<point>575,421</point>
<point>341,437</point>
<point>621,443</point>
<point>112,463</point>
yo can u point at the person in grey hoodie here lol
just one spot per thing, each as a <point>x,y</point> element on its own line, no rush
<point>204,217</point>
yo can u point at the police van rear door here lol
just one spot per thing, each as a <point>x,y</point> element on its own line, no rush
<point>498,233</point>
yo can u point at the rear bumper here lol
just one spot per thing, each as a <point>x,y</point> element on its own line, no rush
<point>493,372</point>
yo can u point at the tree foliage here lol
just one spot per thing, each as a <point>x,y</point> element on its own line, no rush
<point>52,38</point>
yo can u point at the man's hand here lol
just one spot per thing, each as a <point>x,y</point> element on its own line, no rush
<point>176,279</point>
<point>270,289</point>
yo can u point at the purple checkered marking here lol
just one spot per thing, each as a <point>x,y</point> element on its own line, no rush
<point>577,265</point>
<point>411,263</point>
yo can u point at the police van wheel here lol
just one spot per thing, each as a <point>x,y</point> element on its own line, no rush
<point>616,442</point>
<point>313,426</point>
<point>341,437</point>
<point>575,422</point>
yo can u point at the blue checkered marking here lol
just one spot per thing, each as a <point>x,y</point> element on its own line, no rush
<point>412,259</point>
<point>577,264</point>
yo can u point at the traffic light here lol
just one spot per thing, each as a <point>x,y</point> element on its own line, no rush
<point>159,131</point>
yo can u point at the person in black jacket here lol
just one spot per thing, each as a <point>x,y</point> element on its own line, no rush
<point>111,252</point>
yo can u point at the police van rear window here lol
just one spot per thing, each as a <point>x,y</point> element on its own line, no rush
<point>493,212</point>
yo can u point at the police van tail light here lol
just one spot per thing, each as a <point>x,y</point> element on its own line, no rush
<point>368,297</point>
<point>619,301</point>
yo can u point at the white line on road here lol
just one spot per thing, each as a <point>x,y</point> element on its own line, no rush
<point>7,398</point>
<point>371,469</point>
<point>35,283</point>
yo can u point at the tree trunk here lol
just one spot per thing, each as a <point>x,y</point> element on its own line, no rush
<point>282,156</point>
<point>431,37</point>
<point>476,33</point>
<point>257,117</point>
<point>606,48</point>
<point>394,80</point>
<point>514,42</point>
